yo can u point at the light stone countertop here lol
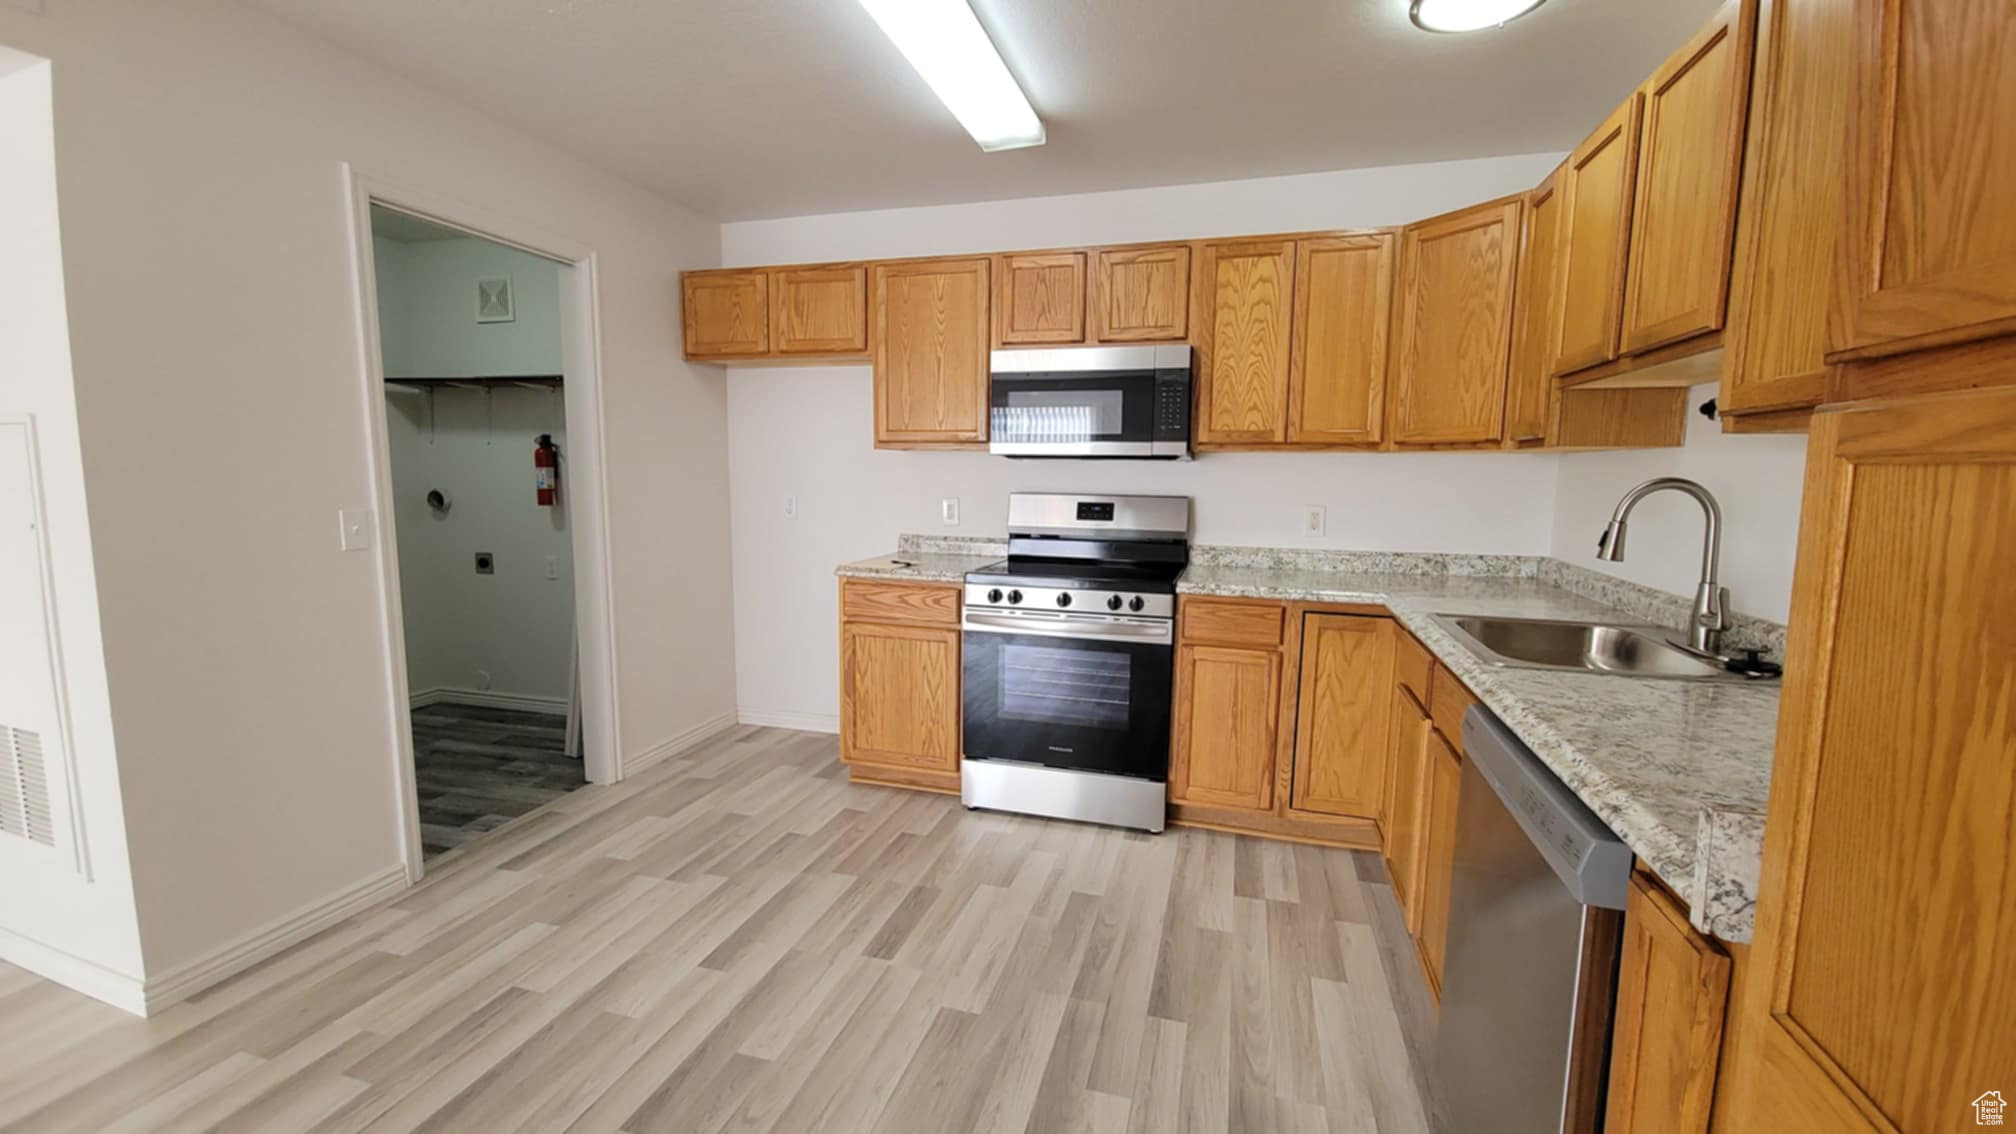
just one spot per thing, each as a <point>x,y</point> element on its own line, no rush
<point>1679,769</point>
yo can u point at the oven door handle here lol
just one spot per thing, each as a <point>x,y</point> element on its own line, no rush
<point>1088,627</point>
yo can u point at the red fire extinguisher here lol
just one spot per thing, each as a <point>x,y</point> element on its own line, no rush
<point>546,470</point>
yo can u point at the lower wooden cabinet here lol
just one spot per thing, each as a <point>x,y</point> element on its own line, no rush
<point>1407,780</point>
<point>1438,855</point>
<point>1672,996</point>
<point>1341,715</point>
<point>899,682</point>
<point>1228,702</point>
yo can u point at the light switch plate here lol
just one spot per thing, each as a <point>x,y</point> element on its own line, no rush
<point>353,527</point>
<point>1312,520</point>
<point>948,511</point>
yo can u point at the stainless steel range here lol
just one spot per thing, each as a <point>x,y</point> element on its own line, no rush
<point>1069,659</point>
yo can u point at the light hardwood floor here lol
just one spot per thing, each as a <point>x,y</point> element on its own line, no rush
<point>741,940</point>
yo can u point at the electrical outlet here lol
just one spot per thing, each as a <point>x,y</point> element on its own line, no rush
<point>790,507</point>
<point>1312,520</point>
<point>552,566</point>
<point>948,511</point>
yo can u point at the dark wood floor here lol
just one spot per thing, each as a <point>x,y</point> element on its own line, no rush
<point>479,768</point>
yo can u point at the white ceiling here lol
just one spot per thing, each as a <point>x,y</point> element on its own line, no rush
<point>760,108</point>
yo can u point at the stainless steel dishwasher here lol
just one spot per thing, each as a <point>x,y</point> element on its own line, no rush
<point>1535,924</point>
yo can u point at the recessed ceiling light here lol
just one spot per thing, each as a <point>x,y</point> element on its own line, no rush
<point>1467,15</point>
<point>944,41</point>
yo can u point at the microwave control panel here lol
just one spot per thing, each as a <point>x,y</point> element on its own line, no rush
<point>1172,406</point>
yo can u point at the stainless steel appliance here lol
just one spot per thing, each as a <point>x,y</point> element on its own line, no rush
<point>1535,923</point>
<point>1069,659</point>
<point>1108,401</point>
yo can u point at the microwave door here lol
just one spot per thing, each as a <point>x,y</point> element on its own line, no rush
<point>1103,415</point>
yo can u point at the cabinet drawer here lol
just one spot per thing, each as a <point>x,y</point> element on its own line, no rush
<point>933,604</point>
<point>1412,667</point>
<point>1447,703</point>
<point>1232,622</point>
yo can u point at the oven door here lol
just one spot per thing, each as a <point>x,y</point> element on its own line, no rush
<point>1088,692</point>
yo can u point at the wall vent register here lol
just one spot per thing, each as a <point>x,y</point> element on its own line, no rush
<point>24,788</point>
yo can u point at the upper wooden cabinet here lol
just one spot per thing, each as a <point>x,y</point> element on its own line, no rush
<point>1141,295</point>
<point>1672,996</point>
<point>1880,996</point>
<point>1340,732</point>
<point>1039,298</point>
<point>1929,256</point>
<point>1794,207</point>
<point>1690,159</point>
<point>1244,300</point>
<point>726,313</point>
<point>750,314</point>
<point>1597,186</point>
<point>822,311</point>
<point>931,320</point>
<point>1452,335</point>
<point>1337,360</point>
<point>1530,388</point>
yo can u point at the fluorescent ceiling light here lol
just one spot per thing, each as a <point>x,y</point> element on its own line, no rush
<point>944,41</point>
<point>1467,15</point>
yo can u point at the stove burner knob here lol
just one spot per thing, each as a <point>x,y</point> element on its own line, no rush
<point>994,595</point>
<point>1113,603</point>
<point>1136,603</point>
<point>1064,599</point>
<point>1014,596</point>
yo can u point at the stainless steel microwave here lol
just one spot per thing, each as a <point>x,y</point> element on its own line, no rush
<point>1105,401</point>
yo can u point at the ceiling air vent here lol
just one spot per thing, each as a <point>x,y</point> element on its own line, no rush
<point>24,788</point>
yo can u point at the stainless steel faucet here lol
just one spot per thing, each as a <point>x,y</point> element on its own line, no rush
<point>1711,598</point>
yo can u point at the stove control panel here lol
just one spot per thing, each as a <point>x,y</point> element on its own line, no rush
<point>1095,603</point>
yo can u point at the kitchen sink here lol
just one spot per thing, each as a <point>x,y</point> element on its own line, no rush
<point>1588,647</point>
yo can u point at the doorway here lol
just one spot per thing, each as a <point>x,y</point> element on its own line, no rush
<point>476,435</point>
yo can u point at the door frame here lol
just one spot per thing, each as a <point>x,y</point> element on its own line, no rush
<point>587,482</point>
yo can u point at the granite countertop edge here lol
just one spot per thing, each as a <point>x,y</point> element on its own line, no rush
<point>1711,864</point>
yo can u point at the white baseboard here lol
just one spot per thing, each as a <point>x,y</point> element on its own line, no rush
<point>704,731</point>
<point>234,957</point>
<point>487,698</point>
<point>121,991</point>
<point>806,722</point>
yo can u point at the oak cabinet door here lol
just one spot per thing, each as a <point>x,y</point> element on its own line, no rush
<point>1340,732</point>
<point>1438,856</point>
<point>1879,997</point>
<point>726,314</point>
<point>821,311</point>
<point>1530,389</point>
<point>1141,295</point>
<point>931,320</point>
<point>1039,298</point>
<point>1244,315</point>
<point>1794,207</point>
<point>1930,254</point>
<point>899,696</point>
<point>1672,996</point>
<point>1337,365</point>
<point>1596,195</point>
<point>1453,331</point>
<point>1227,706</point>
<point>1690,163</point>
<point>1407,777</point>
